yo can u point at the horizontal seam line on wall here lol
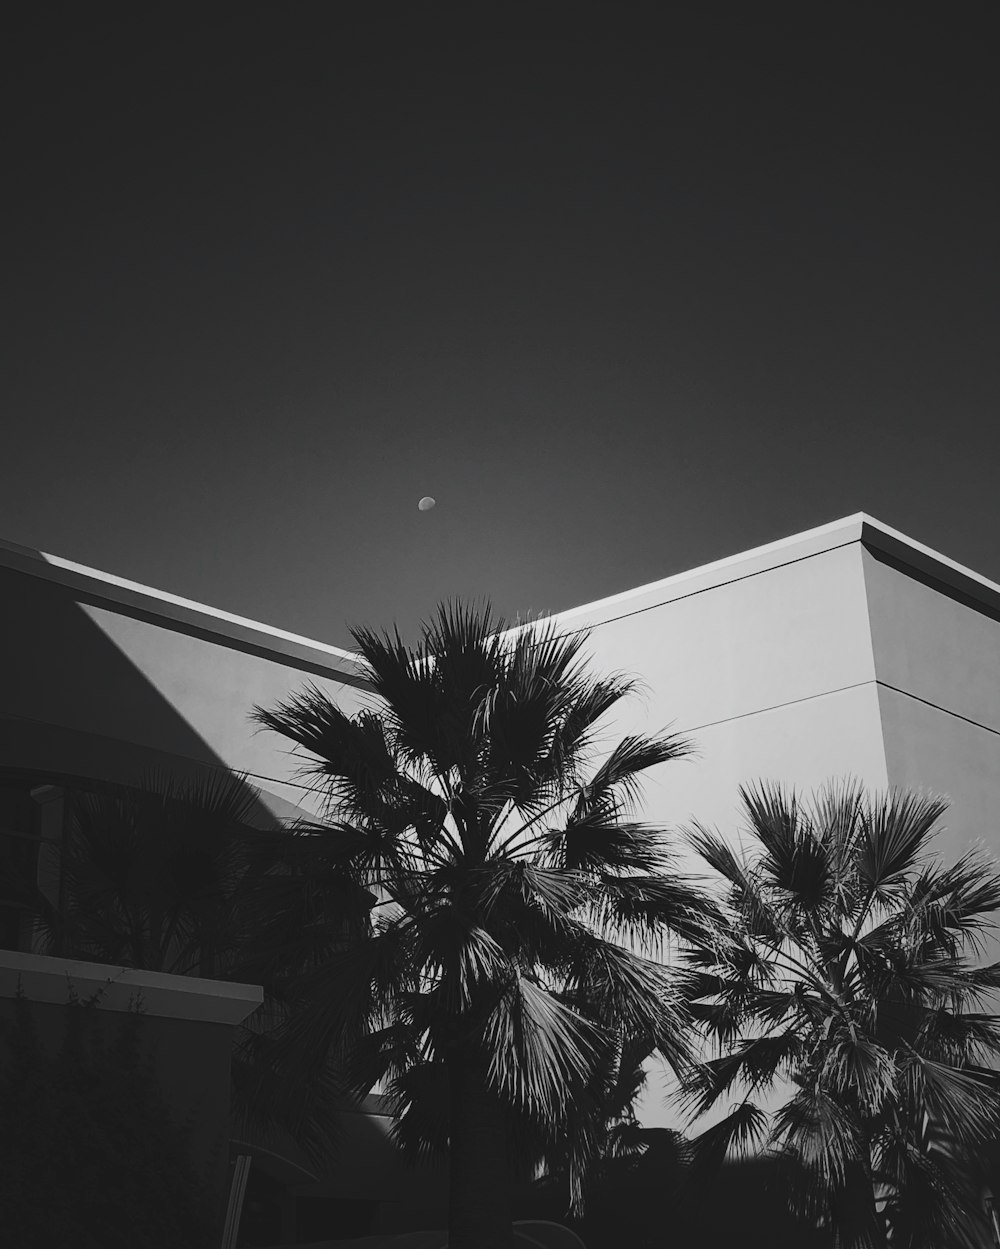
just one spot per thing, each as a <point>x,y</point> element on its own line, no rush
<point>936,707</point>
<point>843,688</point>
<point>759,572</point>
<point>316,789</point>
<point>759,711</point>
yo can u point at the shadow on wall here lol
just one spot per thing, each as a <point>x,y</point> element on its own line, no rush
<point>75,706</point>
<point>85,1115</point>
<point>191,1063</point>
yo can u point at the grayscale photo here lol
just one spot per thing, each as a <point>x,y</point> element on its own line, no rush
<point>500,614</point>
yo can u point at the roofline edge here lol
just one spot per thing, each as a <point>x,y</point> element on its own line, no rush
<point>171,611</point>
<point>929,564</point>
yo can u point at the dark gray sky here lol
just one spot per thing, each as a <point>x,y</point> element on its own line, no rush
<point>626,291</point>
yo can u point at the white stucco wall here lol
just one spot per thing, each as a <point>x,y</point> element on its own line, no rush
<point>803,661</point>
<point>770,674</point>
<point>215,690</point>
<point>767,666</point>
<point>937,662</point>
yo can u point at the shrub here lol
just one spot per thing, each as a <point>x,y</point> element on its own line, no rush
<point>90,1157</point>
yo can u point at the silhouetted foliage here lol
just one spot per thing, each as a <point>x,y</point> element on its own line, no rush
<point>852,975</point>
<point>513,969</point>
<point>89,1155</point>
<point>151,878</point>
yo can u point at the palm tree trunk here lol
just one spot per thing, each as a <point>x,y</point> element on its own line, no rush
<point>479,1201</point>
<point>859,1222</point>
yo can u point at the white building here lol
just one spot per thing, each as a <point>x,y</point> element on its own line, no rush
<point>846,650</point>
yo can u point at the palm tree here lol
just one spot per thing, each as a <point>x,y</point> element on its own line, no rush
<point>516,938</point>
<point>852,976</point>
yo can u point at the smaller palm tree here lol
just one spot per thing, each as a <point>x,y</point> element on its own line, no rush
<point>851,974</point>
<point>148,874</point>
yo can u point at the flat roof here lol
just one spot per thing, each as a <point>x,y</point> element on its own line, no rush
<point>884,542</point>
<point>103,589</point>
<point>185,615</point>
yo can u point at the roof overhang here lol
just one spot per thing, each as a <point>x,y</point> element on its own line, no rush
<point>42,978</point>
<point>885,543</point>
<point>129,598</point>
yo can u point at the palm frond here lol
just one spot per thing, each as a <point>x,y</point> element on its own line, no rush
<point>573,738</point>
<point>703,1083</point>
<point>966,1104</point>
<point>540,658</point>
<point>820,1133</point>
<point>959,1039</point>
<point>336,1003</point>
<point>538,1048</point>
<point>796,859</point>
<point>595,843</point>
<point>836,809</point>
<point>773,1007</point>
<point>350,754</point>
<point>620,990</point>
<point>269,1101</point>
<point>431,692</point>
<point>754,1063</point>
<point>616,786</point>
<point>532,910</point>
<point>980,982</point>
<point>742,1131</point>
<point>420,1097</point>
<point>719,855</point>
<point>380,1056</point>
<point>932,979</point>
<point>896,832</point>
<point>856,1067</point>
<point>645,909</point>
<point>461,954</point>
<point>954,906</point>
<point>523,716</point>
<point>746,896</point>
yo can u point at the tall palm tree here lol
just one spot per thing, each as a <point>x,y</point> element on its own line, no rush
<point>852,974</point>
<point>520,911</point>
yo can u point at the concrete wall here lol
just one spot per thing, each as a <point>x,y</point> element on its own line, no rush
<point>96,687</point>
<point>192,1063</point>
<point>767,666</point>
<point>815,659</point>
<point>770,674</point>
<point>186,1030</point>
<point>937,662</point>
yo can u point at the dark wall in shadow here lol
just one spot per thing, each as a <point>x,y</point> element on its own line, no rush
<point>191,1060</point>
<point>72,704</point>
